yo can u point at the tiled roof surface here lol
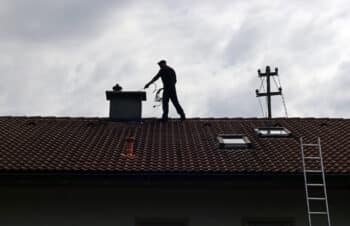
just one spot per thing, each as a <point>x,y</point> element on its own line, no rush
<point>48,144</point>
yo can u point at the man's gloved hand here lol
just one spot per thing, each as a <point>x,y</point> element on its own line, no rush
<point>146,86</point>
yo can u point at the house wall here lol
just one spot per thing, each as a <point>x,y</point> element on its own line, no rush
<point>85,206</point>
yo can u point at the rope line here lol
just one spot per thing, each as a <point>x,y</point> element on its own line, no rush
<point>157,97</point>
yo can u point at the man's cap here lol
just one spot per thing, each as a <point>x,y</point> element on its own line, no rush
<point>162,62</point>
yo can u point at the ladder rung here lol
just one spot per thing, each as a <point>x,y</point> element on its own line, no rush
<point>315,185</point>
<point>312,157</point>
<point>316,198</point>
<point>313,171</point>
<point>320,213</point>
<point>311,145</point>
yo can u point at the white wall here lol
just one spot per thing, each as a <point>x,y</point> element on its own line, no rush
<point>87,206</point>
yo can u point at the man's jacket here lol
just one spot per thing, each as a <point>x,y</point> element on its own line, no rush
<point>168,77</point>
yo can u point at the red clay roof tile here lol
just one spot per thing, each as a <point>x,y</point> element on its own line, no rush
<point>32,144</point>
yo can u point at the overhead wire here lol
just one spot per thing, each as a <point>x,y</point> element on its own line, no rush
<point>279,86</point>
<point>259,99</point>
<point>283,98</point>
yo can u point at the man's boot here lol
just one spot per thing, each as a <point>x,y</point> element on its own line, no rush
<point>164,118</point>
<point>183,116</point>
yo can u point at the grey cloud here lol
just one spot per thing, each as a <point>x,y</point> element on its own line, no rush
<point>325,97</point>
<point>43,21</point>
<point>312,36</point>
<point>338,88</point>
<point>243,45</point>
<point>231,106</point>
<point>215,48</point>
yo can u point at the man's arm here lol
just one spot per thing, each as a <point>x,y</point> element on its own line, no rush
<point>155,78</point>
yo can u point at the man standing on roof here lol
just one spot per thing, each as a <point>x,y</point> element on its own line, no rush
<point>168,76</point>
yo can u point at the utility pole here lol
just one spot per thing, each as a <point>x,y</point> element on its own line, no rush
<point>268,93</point>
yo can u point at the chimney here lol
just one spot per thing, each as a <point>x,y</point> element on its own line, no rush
<point>125,105</point>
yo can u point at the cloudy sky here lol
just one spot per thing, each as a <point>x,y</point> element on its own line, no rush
<point>58,57</point>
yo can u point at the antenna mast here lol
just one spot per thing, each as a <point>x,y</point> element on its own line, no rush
<point>268,74</point>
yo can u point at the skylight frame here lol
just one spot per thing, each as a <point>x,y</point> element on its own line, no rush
<point>224,144</point>
<point>287,133</point>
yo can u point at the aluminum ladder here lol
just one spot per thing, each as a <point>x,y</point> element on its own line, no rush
<point>316,159</point>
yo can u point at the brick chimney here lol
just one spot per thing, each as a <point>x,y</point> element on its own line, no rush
<point>125,105</point>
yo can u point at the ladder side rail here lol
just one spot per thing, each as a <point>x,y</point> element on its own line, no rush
<point>305,181</point>
<point>324,181</point>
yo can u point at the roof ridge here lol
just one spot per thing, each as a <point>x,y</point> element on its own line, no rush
<point>193,118</point>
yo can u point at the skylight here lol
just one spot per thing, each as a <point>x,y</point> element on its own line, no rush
<point>231,141</point>
<point>273,132</point>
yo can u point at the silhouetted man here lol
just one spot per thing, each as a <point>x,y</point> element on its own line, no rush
<point>168,76</point>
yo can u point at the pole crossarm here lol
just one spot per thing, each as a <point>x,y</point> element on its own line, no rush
<point>258,94</point>
<point>268,72</point>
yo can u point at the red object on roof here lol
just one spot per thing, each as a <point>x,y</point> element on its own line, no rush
<point>129,147</point>
<point>48,144</point>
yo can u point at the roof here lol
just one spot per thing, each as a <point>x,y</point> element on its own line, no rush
<point>49,144</point>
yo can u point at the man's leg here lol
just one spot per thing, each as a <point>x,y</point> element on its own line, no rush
<point>175,101</point>
<point>165,104</point>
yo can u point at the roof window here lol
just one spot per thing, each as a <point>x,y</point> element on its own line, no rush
<point>273,132</point>
<point>233,141</point>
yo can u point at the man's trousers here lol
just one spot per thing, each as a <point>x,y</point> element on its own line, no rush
<point>169,93</point>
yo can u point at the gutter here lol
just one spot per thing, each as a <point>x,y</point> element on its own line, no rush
<point>168,179</point>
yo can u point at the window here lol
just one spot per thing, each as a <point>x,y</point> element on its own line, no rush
<point>268,222</point>
<point>161,222</point>
<point>273,132</point>
<point>231,141</point>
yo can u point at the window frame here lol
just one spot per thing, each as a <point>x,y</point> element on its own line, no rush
<point>287,132</point>
<point>223,145</point>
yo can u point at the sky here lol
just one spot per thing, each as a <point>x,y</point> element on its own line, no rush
<point>58,57</point>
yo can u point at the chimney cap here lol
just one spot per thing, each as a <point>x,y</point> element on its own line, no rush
<point>139,94</point>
